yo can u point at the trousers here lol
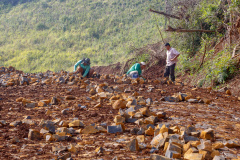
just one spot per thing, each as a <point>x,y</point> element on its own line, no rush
<point>170,71</point>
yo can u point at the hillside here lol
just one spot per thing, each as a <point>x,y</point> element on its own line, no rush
<point>52,35</point>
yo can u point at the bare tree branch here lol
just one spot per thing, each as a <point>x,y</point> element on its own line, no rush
<point>170,29</point>
<point>165,14</point>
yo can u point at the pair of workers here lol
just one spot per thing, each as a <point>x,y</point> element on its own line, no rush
<point>136,70</point>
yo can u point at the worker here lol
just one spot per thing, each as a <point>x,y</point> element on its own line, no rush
<point>84,68</point>
<point>136,70</point>
<point>172,55</point>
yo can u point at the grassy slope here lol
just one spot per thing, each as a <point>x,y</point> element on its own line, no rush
<point>54,34</point>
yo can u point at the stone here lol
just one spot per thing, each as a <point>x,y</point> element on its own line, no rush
<point>115,129</point>
<point>134,131</point>
<point>149,101</point>
<point>119,104</point>
<point>72,149</point>
<point>119,119</point>
<point>232,144</point>
<point>31,105</point>
<point>98,105</point>
<point>218,158</point>
<point>141,131</point>
<point>34,135</point>
<point>149,131</point>
<point>70,97</point>
<point>89,130</point>
<point>139,122</point>
<point>228,92</point>
<point>215,153</point>
<point>206,154</point>
<point>76,123</point>
<point>3,123</point>
<point>49,125</point>
<point>187,138</point>
<point>163,129</point>
<point>64,157</point>
<point>133,145</point>
<point>195,134</point>
<point>191,150</point>
<point>173,154</point>
<point>192,100</point>
<point>217,145</point>
<point>155,141</point>
<point>161,114</point>
<point>99,150</point>
<point>41,104</point>
<point>151,120</point>
<point>207,101</point>
<point>207,134</point>
<point>64,112</point>
<point>170,99</point>
<point>15,123</point>
<point>141,138</point>
<point>158,157</point>
<point>193,156</point>
<point>174,147</point>
<point>145,111</point>
<point>48,137</point>
<point>205,145</point>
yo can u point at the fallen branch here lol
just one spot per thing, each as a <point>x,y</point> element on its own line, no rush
<point>165,14</point>
<point>205,50</point>
<point>170,29</point>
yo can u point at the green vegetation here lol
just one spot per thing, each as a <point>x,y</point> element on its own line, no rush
<point>54,34</point>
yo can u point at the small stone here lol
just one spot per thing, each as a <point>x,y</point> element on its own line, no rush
<point>149,131</point>
<point>158,157</point>
<point>170,99</point>
<point>98,105</point>
<point>64,112</point>
<point>145,111</point>
<point>72,149</point>
<point>228,92</point>
<point>173,154</point>
<point>31,105</point>
<point>151,120</point>
<point>76,123</point>
<point>119,104</point>
<point>174,147</point>
<point>115,129</point>
<point>218,158</point>
<point>34,135</point>
<point>15,123</point>
<point>119,119</point>
<point>205,145</point>
<point>134,131</point>
<point>232,144</point>
<point>141,138</point>
<point>99,150</point>
<point>64,157</point>
<point>207,134</point>
<point>192,100</point>
<point>206,154</point>
<point>193,156</point>
<point>141,131</point>
<point>133,145</point>
<point>161,114</point>
<point>155,141</point>
<point>217,145</point>
<point>215,153</point>
<point>70,97</point>
<point>89,130</point>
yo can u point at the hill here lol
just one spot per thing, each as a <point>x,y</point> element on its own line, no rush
<point>52,35</point>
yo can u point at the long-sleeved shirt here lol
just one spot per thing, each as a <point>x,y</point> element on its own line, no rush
<point>85,68</point>
<point>136,67</point>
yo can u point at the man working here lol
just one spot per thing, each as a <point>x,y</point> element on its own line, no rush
<point>136,70</point>
<point>84,68</point>
<point>172,55</point>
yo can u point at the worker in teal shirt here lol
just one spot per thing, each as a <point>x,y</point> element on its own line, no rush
<point>84,68</point>
<point>136,70</point>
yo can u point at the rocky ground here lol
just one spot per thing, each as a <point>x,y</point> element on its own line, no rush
<point>62,116</point>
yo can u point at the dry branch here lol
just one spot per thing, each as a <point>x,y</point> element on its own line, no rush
<point>165,14</point>
<point>170,29</point>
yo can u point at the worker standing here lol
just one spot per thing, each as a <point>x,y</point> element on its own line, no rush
<point>172,55</point>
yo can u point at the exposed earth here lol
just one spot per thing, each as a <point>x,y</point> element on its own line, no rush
<point>71,118</point>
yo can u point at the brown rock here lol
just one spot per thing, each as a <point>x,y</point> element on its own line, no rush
<point>207,134</point>
<point>119,119</point>
<point>149,131</point>
<point>34,134</point>
<point>228,92</point>
<point>217,145</point>
<point>89,130</point>
<point>119,104</point>
<point>133,145</point>
<point>145,111</point>
<point>70,97</point>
